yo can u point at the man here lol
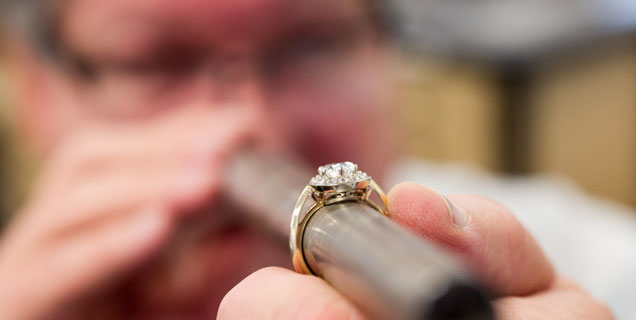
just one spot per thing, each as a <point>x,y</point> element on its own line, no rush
<point>136,108</point>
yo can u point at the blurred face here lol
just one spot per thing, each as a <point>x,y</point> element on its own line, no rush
<point>314,71</point>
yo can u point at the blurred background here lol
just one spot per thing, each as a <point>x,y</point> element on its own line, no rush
<point>511,89</point>
<point>526,87</point>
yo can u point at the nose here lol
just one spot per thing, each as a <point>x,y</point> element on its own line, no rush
<point>233,67</point>
<point>239,83</point>
<point>236,79</point>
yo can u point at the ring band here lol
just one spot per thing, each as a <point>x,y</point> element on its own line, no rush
<point>335,183</point>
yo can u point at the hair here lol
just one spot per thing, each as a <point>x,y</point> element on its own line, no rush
<point>37,19</point>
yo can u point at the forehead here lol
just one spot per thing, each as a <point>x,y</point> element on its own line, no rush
<point>129,26</point>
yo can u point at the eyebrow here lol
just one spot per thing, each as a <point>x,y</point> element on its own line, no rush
<point>50,42</point>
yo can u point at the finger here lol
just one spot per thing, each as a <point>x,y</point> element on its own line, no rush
<point>277,293</point>
<point>121,242</point>
<point>99,150</point>
<point>94,198</point>
<point>183,182</point>
<point>96,201</point>
<point>490,240</point>
<point>563,301</point>
<point>87,259</point>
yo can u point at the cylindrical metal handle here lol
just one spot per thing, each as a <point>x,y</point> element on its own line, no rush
<point>385,269</point>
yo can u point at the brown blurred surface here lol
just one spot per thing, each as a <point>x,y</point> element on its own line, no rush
<point>17,168</point>
<point>451,112</point>
<point>572,115</point>
<point>584,122</point>
<point>4,137</point>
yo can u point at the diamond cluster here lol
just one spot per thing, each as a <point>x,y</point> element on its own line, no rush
<point>338,173</point>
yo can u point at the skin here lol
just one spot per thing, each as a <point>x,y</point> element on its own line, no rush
<point>127,218</point>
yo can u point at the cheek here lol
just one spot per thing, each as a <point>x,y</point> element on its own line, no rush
<point>51,110</point>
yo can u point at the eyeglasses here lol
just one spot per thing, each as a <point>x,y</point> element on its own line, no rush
<point>304,58</point>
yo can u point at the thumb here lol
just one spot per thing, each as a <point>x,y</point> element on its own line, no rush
<point>489,239</point>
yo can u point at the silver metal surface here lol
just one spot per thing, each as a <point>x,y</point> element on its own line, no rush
<point>266,186</point>
<point>386,270</point>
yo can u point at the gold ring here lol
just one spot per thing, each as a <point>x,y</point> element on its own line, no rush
<point>335,183</point>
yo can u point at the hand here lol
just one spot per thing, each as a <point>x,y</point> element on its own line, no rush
<point>486,236</point>
<point>108,199</point>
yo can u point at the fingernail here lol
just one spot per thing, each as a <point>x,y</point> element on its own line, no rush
<point>458,214</point>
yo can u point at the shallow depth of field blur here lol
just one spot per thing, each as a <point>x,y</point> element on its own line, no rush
<point>514,87</point>
<point>510,89</point>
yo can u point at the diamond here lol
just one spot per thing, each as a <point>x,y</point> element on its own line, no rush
<point>348,168</point>
<point>333,171</point>
<point>338,173</point>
